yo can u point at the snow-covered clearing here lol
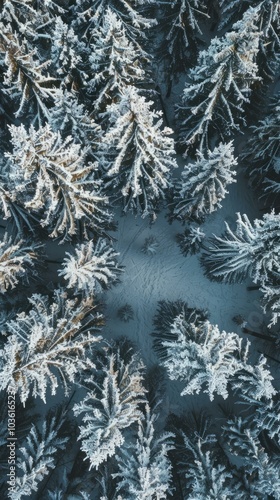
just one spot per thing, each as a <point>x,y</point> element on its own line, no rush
<point>168,275</point>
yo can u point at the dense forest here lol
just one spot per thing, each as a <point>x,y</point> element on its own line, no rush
<point>140,249</point>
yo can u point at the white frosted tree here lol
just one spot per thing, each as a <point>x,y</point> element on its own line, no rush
<point>251,250</point>
<point>137,153</point>
<point>51,179</point>
<point>269,26</point>
<point>262,155</point>
<point>68,54</point>
<point>260,467</point>
<point>202,185</point>
<point>144,469</point>
<point>271,297</point>
<point>70,117</point>
<point>214,98</point>
<point>38,455</point>
<point>91,13</point>
<point>181,34</point>
<point>92,268</point>
<point>48,344</point>
<point>206,478</point>
<point>200,355</point>
<point>26,77</point>
<point>115,62</point>
<point>110,407</point>
<point>16,259</point>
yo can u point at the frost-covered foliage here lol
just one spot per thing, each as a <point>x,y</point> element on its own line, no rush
<point>144,470</point>
<point>261,468</point>
<point>67,54</point>
<point>219,86</point>
<point>16,258</point>
<point>51,179</point>
<point>136,153</point>
<point>91,13</point>
<point>271,297</point>
<point>180,21</point>
<point>269,27</point>
<point>26,78</point>
<point>70,117</point>
<point>251,250</point>
<point>197,353</point>
<point>203,184</point>
<point>262,155</point>
<point>111,406</point>
<point>206,478</point>
<point>93,267</point>
<point>39,454</point>
<point>115,62</point>
<point>48,344</point>
<point>166,313</point>
<point>190,240</point>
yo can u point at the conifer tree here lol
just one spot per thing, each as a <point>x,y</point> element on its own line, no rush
<point>200,355</point>
<point>252,250</point>
<point>206,478</point>
<point>92,268</point>
<point>181,35</point>
<point>69,116</point>
<point>38,455</point>
<point>203,184</point>
<point>144,470</point>
<point>16,258</point>
<point>90,13</point>
<point>111,406</point>
<point>50,179</point>
<point>261,468</point>
<point>136,153</point>
<point>49,342</point>
<point>115,62</point>
<point>214,99</point>
<point>26,77</point>
<point>262,155</point>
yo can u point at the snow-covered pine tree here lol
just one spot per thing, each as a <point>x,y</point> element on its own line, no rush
<point>92,268</point>
<point>201,356</point>
<point>260,467</point>
<point>207,478</point>
<point>219,86</point>
<point>16,259</point>
<point>180,23</point>
<point>233,10</point>
<point>198,354</point>
<point>48,343</point>
<point>50,178</point>
<point>269,26</point>
<point>190,241</point>
<point>115,62</point>
<point>251,250</point>
<point>137,154</point>
<point>111,406</point>
<point>39,454</point>
<point>271,297</point>
<point>144,469</point>
<point>26,77</point>
<point>90,13</point>
<point>166,313</point>
<point>70,117</point>
<point>202,185</point>
<point>262,154</point>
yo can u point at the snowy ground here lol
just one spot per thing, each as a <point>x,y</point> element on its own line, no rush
<point>168,275</point>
